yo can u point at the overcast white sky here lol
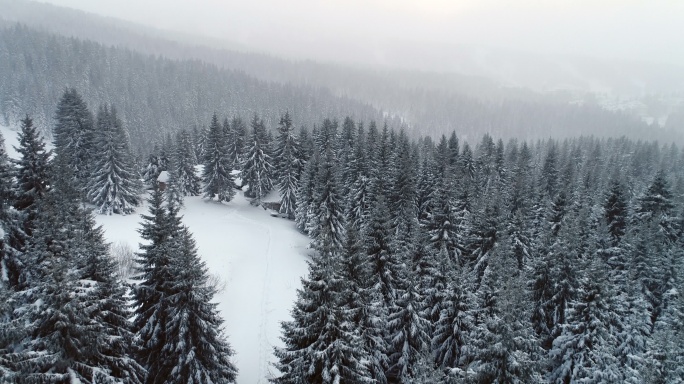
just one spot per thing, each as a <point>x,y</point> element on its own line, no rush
<point>632,29</point>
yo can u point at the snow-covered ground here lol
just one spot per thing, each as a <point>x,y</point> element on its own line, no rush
<point>259,258</point>
<point>10,136</point>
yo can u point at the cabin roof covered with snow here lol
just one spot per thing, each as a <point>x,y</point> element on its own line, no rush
<point>163,177</point>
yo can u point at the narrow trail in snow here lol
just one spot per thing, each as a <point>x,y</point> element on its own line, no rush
<point>265,347</point>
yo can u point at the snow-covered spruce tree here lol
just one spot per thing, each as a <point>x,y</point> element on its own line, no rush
<point>152,168</point>
<point>362,303</point>
<point>32,169</point>
<point>198,136</point>
<point>289,163</point>
<point>347,142</point>
<point>74,133</point>
<point>328,222</point>
<point>76,318</point>
<point>183,181</point>
<point>6,200</point>
<point>257,169</point>
<point>384,263</point>
<point>61,334</point>
<point>195,351</point>
<point>585,349</point>
<point>305,208</point>
<point>111,310</point>
<point>404,169</point>
<point>502,346</point>
<point>615,212</point>
<point>408,337</point>
<point>320,344</point>
<point>553,275</point>
<point>441,224</point>
<point>657,242</point>
<point>114,185</point>
<point>31,185</point>
<point>178,329</point>
<point>161,231</point>
<point>425,188</point>
<point>664,361</point>
<point>217,174</point>
<point>450,337</point>
<point>615,238</point>
<point>236,141</point>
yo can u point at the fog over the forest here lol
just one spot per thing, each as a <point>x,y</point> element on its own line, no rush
<point>371,31</point>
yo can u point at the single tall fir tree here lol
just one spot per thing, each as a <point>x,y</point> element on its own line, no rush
<point>74,134</point>
<point>217,175</point>
<point>115,185</point>
<point>288,165</point>
<point>257,170</point>
<point>195,351</point>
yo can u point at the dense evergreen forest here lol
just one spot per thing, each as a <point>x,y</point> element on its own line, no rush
<point>431,260</point>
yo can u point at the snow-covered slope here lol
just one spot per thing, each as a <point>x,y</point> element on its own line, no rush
<point>260,258</point>
<point>10,135</point>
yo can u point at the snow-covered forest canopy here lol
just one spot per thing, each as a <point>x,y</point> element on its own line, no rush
<point>416,227</point>
<point>431,260</point>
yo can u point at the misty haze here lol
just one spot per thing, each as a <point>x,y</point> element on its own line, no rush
<point>335,192</point>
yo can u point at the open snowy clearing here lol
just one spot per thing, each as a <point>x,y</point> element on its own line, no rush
<point>259,260</point>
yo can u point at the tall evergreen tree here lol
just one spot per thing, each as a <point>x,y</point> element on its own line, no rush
<point>217,174</point>
<point>288,165</point>
<point>114,186</point>
<point>31,185</point>
<point>257,169</point>
<point>384,263</point>
<point>409,333</point>
<point>183,181</point>
<point>195,350</point>
<point>75,313</point>
<point>362,303</point>
<point>305,209</point>
<point>328,221</point>
<point>450,337</point>
<point>615,208</point>
<point>585,349</point>
<point>74,135</point>
<point>320,346</point>
<point>7,218</point>
<point>503,348</point>
<point>161,231</point>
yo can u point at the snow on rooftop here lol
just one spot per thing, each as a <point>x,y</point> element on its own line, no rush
<point>163,177</point>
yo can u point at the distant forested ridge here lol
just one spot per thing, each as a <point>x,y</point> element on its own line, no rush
<point>158,95</point>
<point>154,95</point>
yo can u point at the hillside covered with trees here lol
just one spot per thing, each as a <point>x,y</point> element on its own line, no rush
<point>432,261</point>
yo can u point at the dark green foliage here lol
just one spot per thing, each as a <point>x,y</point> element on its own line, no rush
<point>74,135</point>
<point>257,169</point>
<point>217,173</point>
<point>288,160</point>
<point>114,185</point>
<point>320,343</point>
<point>177,327</point>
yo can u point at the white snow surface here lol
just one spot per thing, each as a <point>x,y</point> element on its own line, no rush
<point>11,141</point>
<point>260,258</point>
